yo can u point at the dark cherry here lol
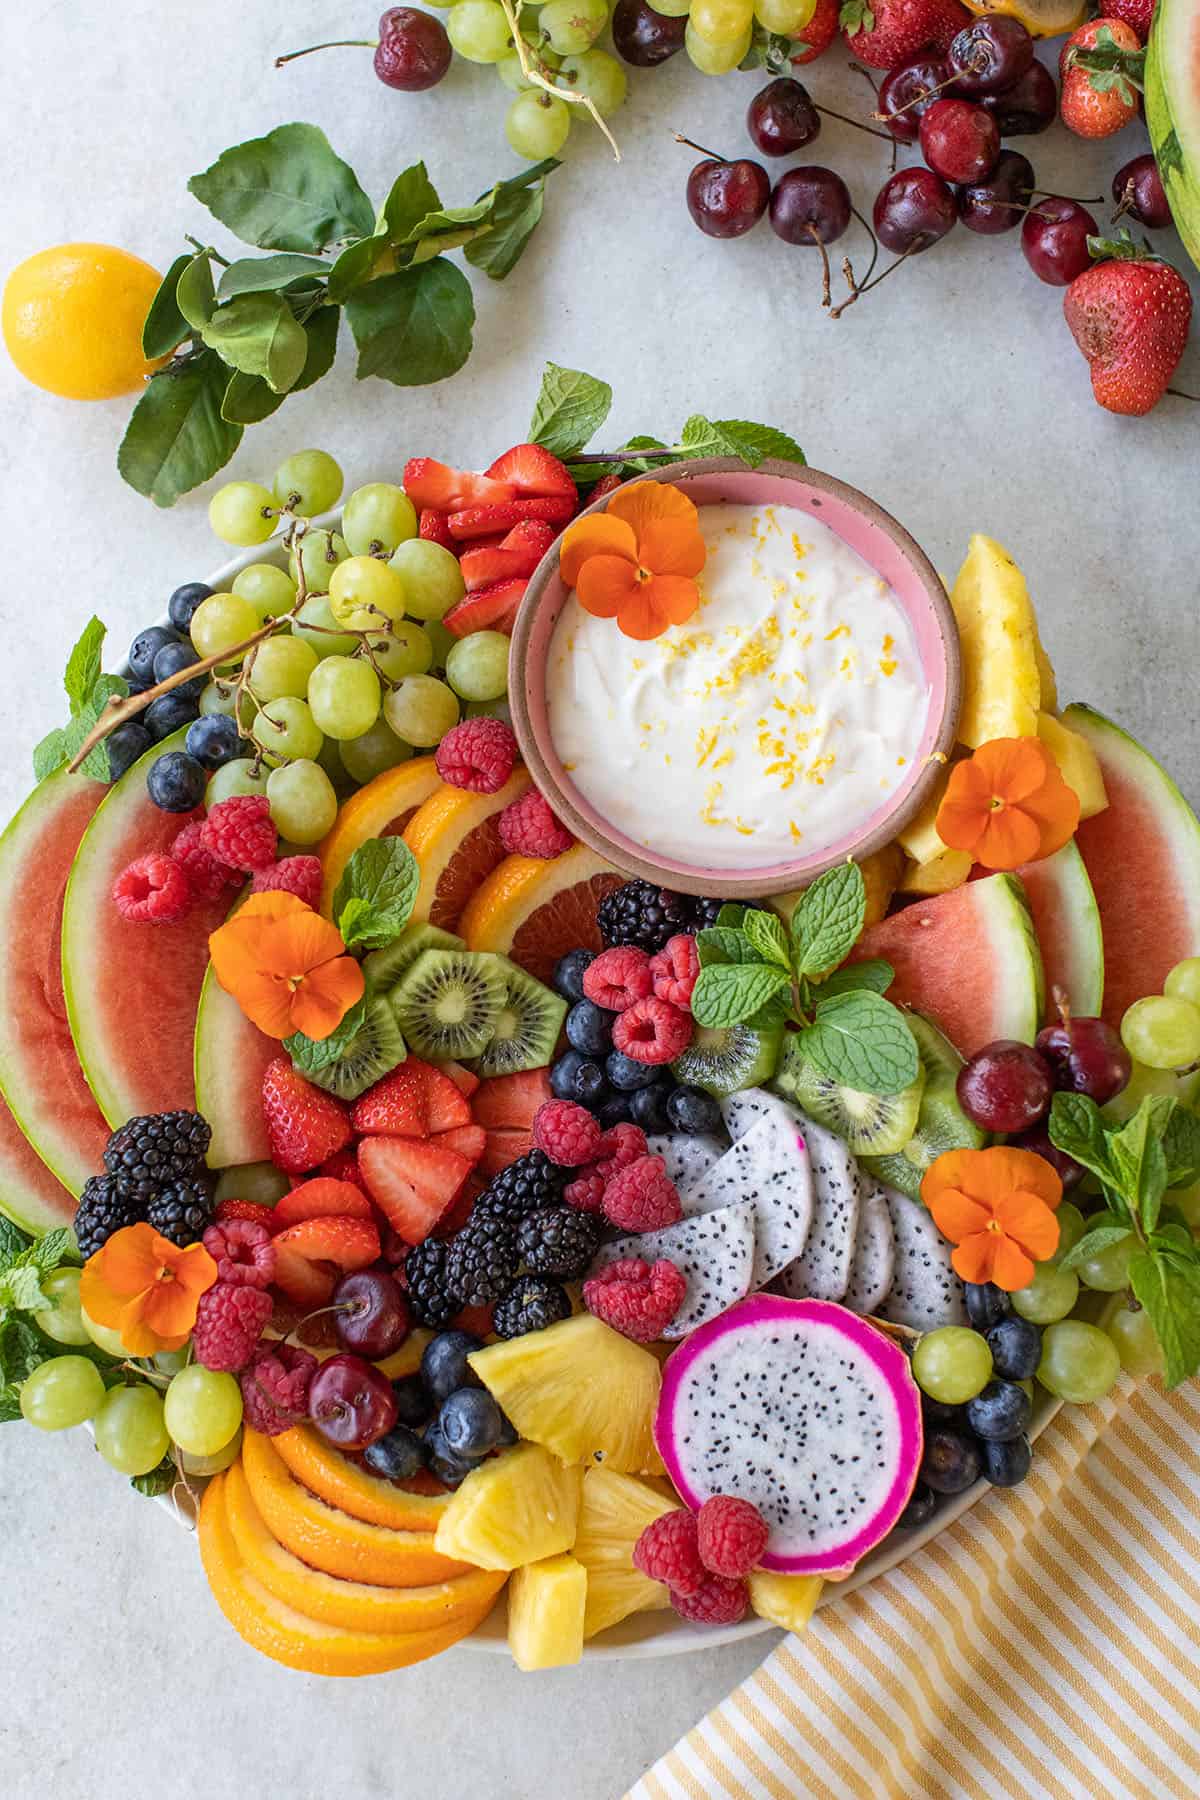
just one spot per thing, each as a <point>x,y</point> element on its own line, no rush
<point>807,200</point>
<point>1086,1056</point>
<point>1054,238</point>
<point>959,140</point>
<point>1030,105</point>
<point>351,1403</point>
<point>727,199</point>
<point>413,51</point>
<point>1006,1086</point>
<point>1138,190</point>
<point>989,54</point>
<point>781,118</point>
<point>644,37</point>
<point>998,204</point>
<point>377,1319</point>
<point>913,209</point>
<point>1069,1172</point>
<point>908,90</point>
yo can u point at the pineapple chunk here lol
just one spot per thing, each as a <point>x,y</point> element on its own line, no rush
<point>938,875</point>
<point>1077,764</point>
<point>615,1511</point>
<point>1046,673</point>
<point>1002,686</point>
<point>517,1508</point>
<point>581,1389</point>
<point>786,1600</point>
<point>545,1613</point>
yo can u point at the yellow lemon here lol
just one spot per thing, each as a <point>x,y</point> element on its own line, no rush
<point>73,317</point>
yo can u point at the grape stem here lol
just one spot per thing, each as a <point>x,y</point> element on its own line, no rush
<point>538,80</point>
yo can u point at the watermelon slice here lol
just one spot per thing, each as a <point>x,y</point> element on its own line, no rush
<point>39,1072</point>
<point>1173,112</point>
<point>29,1193</point>
<point>1143,856</point>
<point>969,959</point>
<point>231,1057</point>
<point>1067,921</point>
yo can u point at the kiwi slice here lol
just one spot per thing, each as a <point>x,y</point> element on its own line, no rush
<point>384,968</point>
<point>448,1003</point>
<point>375,1048</point>
<point>941,1122</point>
<point>736,1056</point>
<point>526,1028</point>
<point>869,1124</point>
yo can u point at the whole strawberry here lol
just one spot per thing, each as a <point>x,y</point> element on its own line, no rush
<point>1137,14</point>
<point>1101,70</point>
<point>1130,316</point>
<point>886,32</point>
<point>816,37</point>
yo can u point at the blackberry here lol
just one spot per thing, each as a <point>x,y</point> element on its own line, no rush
<point>482,1259</point>
<point>102,1210</point>
<point>704,911</point>
<point>148,1152</point>
<point>182,1210</point>
<point>642,914</point>
<point>558,1240</point>
<point>530,1305</point>
<point>429,1294</point>
<point>530,1182</point>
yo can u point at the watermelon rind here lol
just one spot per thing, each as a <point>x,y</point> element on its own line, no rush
<point>1172,79</point>
<point>1072,944</point>
<point>1014,942</point>
<point>230,1055</point>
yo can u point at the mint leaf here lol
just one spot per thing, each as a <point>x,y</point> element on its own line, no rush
<point>160,1480</point>
<point>49,1251</point>
<point>195,295</point>
<point>411,198</point>
<point>755,443</point>
<point>95,763</point>
<point>83,665</point>
<point>515,217</point>
<point>724,944</point>
<point>13,1241</point>
<point>176,437</point>
<point>375,896</point>
<point>165,327</point>
<point>569,411</point>
<point>49,754</point>
<point>10,1405</point>
<point>269,274</point>
<point>764,932</point>
<point>727,993</point>
<point>1093,1242</point>
<point>1173,1236</point>
<point>287,191</point>
<point>310,1054</point>
<point>828,919</point>
<point>874,974</point>
<point>413,327</point>
<point>861,1041</point>
<point>21,1289</point>
<point>259,335</point>
<point>1169,1289</point>
<point>1077,1129</point>
<point>1181,1147</point>
<point>21,1350</point>
<point>1138,1157</point>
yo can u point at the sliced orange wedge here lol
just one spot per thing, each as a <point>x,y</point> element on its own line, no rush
<point>382,809</point>
<point>535,910</point>
<point>1041,18</point>
<point>346,1485</point>
<point>455,836</point>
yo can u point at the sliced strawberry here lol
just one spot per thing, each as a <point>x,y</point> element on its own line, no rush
<point>414,1182</point>
<point>397,1106</point>
<point>251,1211</point>
<point>511,1100</point>
<point>465,1080</point>
<point>478,1320</point>
<point>503,1147</point>
<point>434,484</point>
<point>347,1243</point>
<point>445,1105</point>
<point>519,553</point>
<point>533,470</point>
<point>608,484</point>
<point>308,1284</point>
<point>341,1167</point>
<point>304,1124</point>
<point>477,521</point>
<point>434,528</point>
<point>480,610</point>
<point>468,1140</point>
<point>461,1207</point>
<point>533,537</point>
<point>507,620</point>
<point>323,1198</point>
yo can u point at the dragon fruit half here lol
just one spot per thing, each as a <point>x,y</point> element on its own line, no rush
<point>806,1411</point>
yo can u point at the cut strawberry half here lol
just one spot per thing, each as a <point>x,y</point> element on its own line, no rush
<point>511,1100</point>
<point>519,553</point>
<point>251,1211</point>
<point>307,1284</point>
<point>322,1198</point>
<point>304,1124</point>
<point>434,528</point>
<point>468,1140</point>
<point>465,1080</point>
<point>341,1166</point>
<point>434,484</point>
<point>533,470</point>
<point>461,1207</point>
<point>477,521</point>
<point>446,1107</point>
<point>397,1106</point>
<point>481,610</point>
<point>347,1242</point>
<point>414,1183</point>
<point>503,1147</point>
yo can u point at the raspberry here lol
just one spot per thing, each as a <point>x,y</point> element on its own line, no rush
<point>616,978</point>
<point>620,1145</point>
<point>239,832</point>
<point>675,969</point>
<point>566,1133</point>
<point>668,1551</point>
<point>652,1031</point>
<point>642,1196</point>
<point>717,1602</point>
<point>153,890</point>
<point>635,1298</point>
<point>229,1322</point>
<point>208,877</point>
<point>733,1535</point>
<point>586,1192</point>
<point>529,828</point>
<point>299,875</point>
<point>242,1251</point>
<point>275,1384</point>
<point>477,754</point>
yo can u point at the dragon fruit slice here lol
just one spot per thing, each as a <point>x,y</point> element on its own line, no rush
<point>688,1159</point>
<point>925,1292</point>
<point>803,1409</point>
<point>744,1109</point>
<point>770,1167</point>
<point>874,1255</point>
<point>823,1271</point>
<point>713,1252</point>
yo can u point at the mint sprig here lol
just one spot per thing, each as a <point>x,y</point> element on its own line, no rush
<point>373,901</point>
<point>24,1265</point>
<point>88,691</point>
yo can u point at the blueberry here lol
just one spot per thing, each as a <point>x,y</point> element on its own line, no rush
<point>125,745</point>
<point>168,713</point>
<point>951,1462</point>
<point>1016,1347</point>
<point>589,1028</point>
<point>568,973</point>
<point>627,1074</point>
<point>449,1469</point>
<point>922,1504</point>
<point>145,647</point>
<point>173,657</point>
<point>1007,1464</point>
<point>214,739</point>
<point>939,1412</point>
<point>184,601</point>
<point>573,1077</point>
<point>413,1405</point>
<point>1001,1412</point>
<point>176,782</point>
<point>693,1111</point>
<point>398,1456</point>
<point>987,1305</point>
<point>508,1433</point>
<point>614,1111</point>
<point>649,1109</point>
<point>470,1423</point>
<point>444,1365</point>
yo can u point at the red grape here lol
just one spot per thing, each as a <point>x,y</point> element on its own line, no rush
<point>1006,1086</point>
<point>1086,1056</point>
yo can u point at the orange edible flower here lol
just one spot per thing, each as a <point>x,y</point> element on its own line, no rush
<point>146,1288</point>
<point>286,967</point>
<point>1008,804</point>
<point>998,1206</point>
<point>637,561</point>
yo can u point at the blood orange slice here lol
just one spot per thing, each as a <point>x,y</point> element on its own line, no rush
<point>535,911</point>
<point>382,809</point>
<point>455,836</point>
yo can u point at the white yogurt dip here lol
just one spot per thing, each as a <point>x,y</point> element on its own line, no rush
<point>780,716</point>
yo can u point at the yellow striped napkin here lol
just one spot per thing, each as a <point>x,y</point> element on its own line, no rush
<point>1047,1645</point>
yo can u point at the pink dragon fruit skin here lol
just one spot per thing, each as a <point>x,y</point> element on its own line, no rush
<point>789,1448</point>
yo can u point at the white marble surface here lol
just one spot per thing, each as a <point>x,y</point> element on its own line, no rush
<point>954,396</point>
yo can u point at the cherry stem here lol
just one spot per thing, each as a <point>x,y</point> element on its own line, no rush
<point>921,99</point>
<point>917,244</point>
<point>848,268</point>
<point>1180,395</point>
<point>819,241</point>
<point>1075,199</point>
<point>857,123</point>
<point>333,44</point>
<point>714,154</point>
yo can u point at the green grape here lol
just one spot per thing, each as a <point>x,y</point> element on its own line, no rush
<point>714,59</point>
<point>488,709</point>
<point>212,1465</point>
<point>308,482</point>
<point>675,9</point>
<point>130,1433</point>
<point>421,710</point>
<point>785,18</point>
<point>1108,1270</point>
<point>242,512</point>
<point>169,1362</point>
<point>222,621</point>
<point>443,642</point>
<point>363,588</point>
<point>1162,1032</point>
<point>569,26</point>
<point>952,1364</point>
<point>260,1182</point>
<point>316,626</point>
<point>269,589</point>
<point>61,1320</point>
<point>103,1336</point>
<point>1183,982</point>
<point>285,730</point>
<point>329,758</point>
<point>376,750</point>
<point>1050,1295</point>
<point>477,666</point>
<point>1137,1345</point>
<point>536,124</point>
<point>281,666</point>
<point>598,76</point>
<point>513,75</point>
<point>303,802</point>
<point>1079,1361</point>
<point>432,578</point>
<point>219,697</point>
<point>478,30</point>
<point>721,22</point>
<point>378,517</point>
<point>318,553</point>
<point>404,650</point>
<point>344,695</point>
<point>62,1392</point>
<point>203,1409</point>
<point>1071,1227</point>
<point>241,776</point>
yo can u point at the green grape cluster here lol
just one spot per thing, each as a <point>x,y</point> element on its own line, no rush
<point>1162,1031</point>
<point>559,46</point>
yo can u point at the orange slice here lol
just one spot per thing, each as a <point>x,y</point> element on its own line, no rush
<point>455,836</point>
<point>293,1638</point>
<point>355,1605</point>
<point>333,1541</point>
<point>352,1489</point>
<point>535,910</point>
<point>1041,18</point>
<point>382,809</point>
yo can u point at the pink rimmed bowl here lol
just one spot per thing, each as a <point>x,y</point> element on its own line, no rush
<point>884,546</point>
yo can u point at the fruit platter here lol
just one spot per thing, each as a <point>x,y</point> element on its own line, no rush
<point>664,1050</point>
